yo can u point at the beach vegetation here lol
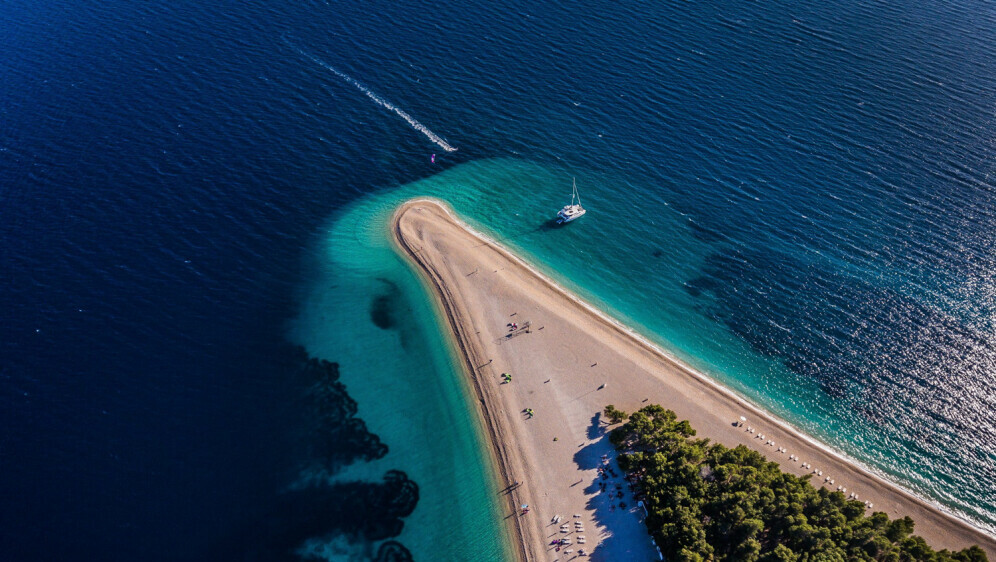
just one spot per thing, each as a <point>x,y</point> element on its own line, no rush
<point>615,415</point>
<point>707,502</point>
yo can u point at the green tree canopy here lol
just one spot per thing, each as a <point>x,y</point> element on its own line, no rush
<point>708,502</point>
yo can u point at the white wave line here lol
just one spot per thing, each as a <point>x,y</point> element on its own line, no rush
<point>384,103</point>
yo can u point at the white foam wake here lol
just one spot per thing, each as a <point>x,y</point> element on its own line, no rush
<point>383,103</point>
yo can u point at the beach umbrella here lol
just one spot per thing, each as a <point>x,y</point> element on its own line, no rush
<point>743,418</point>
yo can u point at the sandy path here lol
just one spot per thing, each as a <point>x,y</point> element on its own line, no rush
<point>557,367</point>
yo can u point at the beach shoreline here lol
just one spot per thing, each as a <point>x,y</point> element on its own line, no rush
<point>467,357</point>
<point>453,245</point>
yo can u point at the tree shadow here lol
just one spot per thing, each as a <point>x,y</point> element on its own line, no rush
<point>597,427</point>
<point>620,532</point>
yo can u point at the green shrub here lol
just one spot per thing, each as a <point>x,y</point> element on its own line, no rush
<point>614,415</point>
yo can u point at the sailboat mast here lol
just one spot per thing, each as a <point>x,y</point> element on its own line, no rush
<point>574,210</point>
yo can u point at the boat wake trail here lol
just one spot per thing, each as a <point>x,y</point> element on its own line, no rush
<point>382,102</point>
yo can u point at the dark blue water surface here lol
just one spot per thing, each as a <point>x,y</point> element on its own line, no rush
<point>163,167</point>
<point>155,201</point>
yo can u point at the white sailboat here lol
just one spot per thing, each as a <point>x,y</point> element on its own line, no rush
<point>572,211</point>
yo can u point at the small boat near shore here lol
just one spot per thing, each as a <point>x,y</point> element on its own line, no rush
<point>572,211</point>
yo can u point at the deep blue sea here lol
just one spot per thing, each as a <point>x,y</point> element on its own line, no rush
<point>208,350</point>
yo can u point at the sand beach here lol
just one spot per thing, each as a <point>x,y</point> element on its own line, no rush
<point>544,364</point>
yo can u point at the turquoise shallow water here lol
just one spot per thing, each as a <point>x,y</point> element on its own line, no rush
<point>402,374</point>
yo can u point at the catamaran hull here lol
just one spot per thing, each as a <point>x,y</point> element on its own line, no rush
<point>562,219</point>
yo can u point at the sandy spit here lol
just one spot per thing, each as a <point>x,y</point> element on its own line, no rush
<point>567,361</point>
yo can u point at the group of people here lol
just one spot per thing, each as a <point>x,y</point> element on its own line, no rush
<point>605,472</point>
